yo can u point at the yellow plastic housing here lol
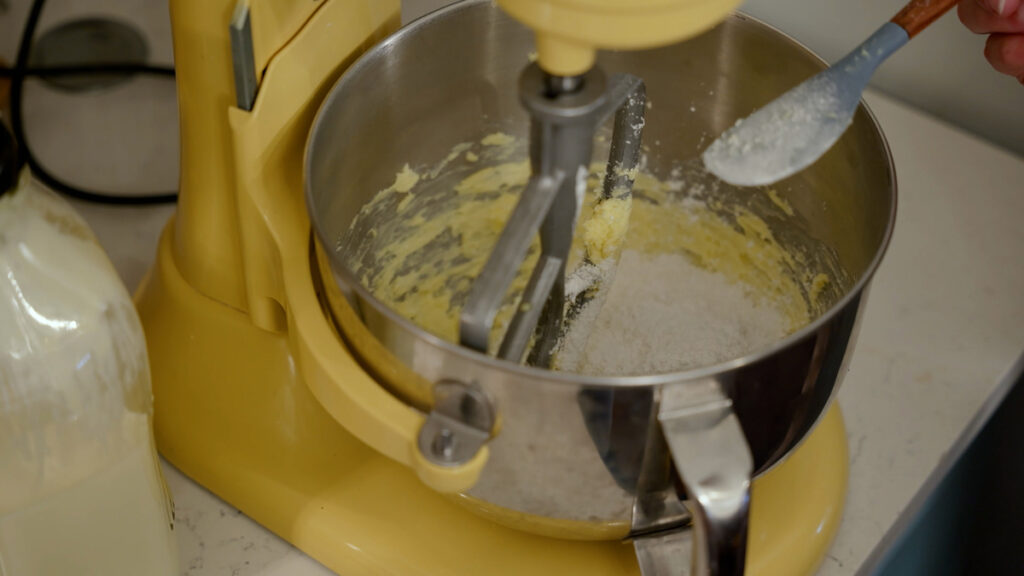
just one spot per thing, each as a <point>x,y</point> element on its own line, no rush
<point>569,32</point>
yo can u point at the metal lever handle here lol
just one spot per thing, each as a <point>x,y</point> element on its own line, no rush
<point>666,554</point>
<point>713,459</point>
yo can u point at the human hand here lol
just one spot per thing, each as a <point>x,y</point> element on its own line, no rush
<point>1003,21</point>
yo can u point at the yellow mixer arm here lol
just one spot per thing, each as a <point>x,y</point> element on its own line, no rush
<point>569,32</point>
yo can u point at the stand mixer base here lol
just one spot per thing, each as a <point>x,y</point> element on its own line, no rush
<point>233,414</point>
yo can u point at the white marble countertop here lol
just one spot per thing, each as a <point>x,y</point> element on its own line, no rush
<point>945,317</point>
<point>944,320</point>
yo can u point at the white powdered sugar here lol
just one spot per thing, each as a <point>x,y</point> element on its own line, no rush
<point>665,314</point>
<point>783,137</point>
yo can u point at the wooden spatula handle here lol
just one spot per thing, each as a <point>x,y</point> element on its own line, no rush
<point>918,14</point>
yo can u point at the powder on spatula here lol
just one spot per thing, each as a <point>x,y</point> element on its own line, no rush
<point>665,314</point>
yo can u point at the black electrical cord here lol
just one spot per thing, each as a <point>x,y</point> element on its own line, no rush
<point>88,70</point>
<point>8,160</point>
<point>18,75</point>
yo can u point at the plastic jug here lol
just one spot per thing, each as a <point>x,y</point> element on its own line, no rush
<point>81,490</point>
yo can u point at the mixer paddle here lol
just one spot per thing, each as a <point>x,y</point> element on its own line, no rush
<point>565,112</point>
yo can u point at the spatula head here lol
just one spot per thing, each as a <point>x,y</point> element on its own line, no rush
<point>793,131</point>
<point>785,136</point>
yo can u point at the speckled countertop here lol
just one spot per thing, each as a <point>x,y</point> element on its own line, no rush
<point>945,315</point>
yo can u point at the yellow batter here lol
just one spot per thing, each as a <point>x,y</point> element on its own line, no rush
<point>429,240</point>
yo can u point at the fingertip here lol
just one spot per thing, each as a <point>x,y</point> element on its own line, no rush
<point>974,15</point>
<point>964,11</point>
<point>1005,52</point>
<point>981,17</point>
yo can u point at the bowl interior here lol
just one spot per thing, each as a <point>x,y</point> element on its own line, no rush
<point>397,108</point>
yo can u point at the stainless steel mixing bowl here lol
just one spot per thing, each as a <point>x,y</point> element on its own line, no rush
<point>572,455</point>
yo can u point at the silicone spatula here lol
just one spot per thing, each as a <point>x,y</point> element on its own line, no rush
<point>794,130</point>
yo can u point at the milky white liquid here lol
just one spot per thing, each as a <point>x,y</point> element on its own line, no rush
<point>81,493</point>
<point>115,523</point>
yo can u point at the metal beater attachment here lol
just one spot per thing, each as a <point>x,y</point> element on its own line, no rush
<point>565,113</point>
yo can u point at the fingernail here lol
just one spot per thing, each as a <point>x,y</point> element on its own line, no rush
<point>1003,8</point>
<point>997,6</point>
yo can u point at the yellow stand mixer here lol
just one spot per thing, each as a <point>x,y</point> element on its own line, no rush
<point>260,400</point>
